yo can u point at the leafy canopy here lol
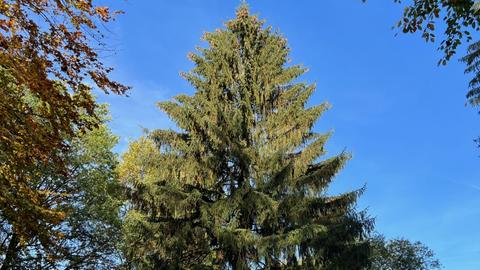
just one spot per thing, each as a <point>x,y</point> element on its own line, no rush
<point>45,43</point>
<point>401,254</point>
<point>89,194</point>
<point>459,18</point>
<point>460,21</point>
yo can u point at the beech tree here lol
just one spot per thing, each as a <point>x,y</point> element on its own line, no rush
<point>44,43</point>
<point>242,183</point>
<point>88,236</point>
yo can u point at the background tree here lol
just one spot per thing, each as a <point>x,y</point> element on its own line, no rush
<point>401,254</point>
<point>43,42</point>
<point>241,184</point>
<point>88,193</point>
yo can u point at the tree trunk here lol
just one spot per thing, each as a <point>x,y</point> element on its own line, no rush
<point>11,255</point>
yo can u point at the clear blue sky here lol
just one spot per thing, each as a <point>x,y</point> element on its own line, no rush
<point>401,116</point>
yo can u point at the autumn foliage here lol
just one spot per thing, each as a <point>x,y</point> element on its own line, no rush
<point>45,44</point>
<point>242,182</point>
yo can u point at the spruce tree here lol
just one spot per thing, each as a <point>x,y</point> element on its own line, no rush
<point>241,184</point>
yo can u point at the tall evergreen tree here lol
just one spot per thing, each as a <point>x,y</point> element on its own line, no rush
<point>241,184</point>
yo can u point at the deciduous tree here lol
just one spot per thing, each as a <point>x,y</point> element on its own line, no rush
<point>460,20</point>
<point>401,254</point>
<point>457,19</point>
<point>90,196</point>
<point>44,43</point>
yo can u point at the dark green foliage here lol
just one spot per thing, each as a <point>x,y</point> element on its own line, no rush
<point>460,18</point>
<point>241,185</point>
<point>402,254</point>
<point>472,59</point>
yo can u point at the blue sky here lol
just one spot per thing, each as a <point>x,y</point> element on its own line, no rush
<point>403,118</point>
